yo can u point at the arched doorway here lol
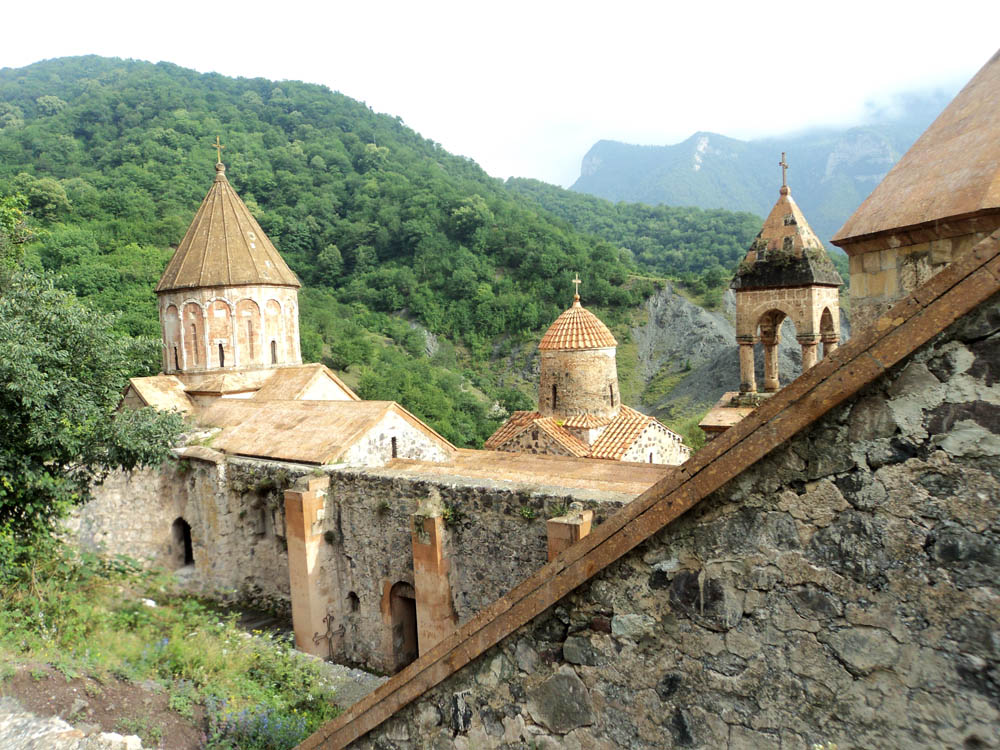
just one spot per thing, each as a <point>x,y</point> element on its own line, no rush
<point>403,611</point>
<point>181,547</point>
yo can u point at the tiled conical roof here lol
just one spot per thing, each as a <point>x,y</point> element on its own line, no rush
<point>577,328</point>
<point>786,252</point>
<point>225,246</point>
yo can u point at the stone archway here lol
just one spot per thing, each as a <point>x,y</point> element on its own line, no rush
<point>828,332</point>
<point>403,613</point>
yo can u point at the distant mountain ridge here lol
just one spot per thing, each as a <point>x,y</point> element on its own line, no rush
<point>831,170</point>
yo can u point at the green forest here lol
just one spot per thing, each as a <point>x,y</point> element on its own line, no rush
<point>391,235</point>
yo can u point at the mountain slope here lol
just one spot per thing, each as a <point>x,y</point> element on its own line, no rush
<point>831,170</point>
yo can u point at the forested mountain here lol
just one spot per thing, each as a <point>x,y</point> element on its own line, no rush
<point>831,170</point>
<point>696,246</point>
<point>419,270</point>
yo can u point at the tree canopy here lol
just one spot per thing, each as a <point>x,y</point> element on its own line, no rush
<point>62,371</point>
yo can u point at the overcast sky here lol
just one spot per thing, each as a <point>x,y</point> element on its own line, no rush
<point>525,88</point>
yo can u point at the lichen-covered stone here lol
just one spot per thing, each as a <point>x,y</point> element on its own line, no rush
<point>561,703</point>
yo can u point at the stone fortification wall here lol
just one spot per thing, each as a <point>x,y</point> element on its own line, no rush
<point>843,589</point>
<point>495,537</point>
<point>235,515</point>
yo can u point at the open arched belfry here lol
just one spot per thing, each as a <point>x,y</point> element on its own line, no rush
<point>786,274</point>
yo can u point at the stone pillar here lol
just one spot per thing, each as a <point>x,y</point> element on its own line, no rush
<point>748,378</point>
<point>808,354</point>
<point>569,529</point>
<point>830,346</point>
<point>771,383</point>
<point>304,513</point>
<point>436,617</point>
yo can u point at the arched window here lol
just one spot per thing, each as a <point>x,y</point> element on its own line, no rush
<point>177,362</point>
<point>394,450</point>
<point>222,356</point>
<point>353,603</point>
<point>274,352</point>
<point>553,395</point>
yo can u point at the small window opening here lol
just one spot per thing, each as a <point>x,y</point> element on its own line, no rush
<point>611,391</point>
<point>194,338</point>
<point>183,548</point>
<point>553,395</point>
<point>274,352</point>
<point>250,337</point>
<point>534,434</point>
<point>177,362</point>
<point>650,458</point>
<point>222,356</point>
<point>353,603</point>
<point>395,451</point>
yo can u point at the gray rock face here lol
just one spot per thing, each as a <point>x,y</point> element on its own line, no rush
<point>561,703</point>
<point>21,730</point>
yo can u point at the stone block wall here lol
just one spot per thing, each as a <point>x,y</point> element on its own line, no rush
<point>584,379</point>
<point>843,589</point>
<point>494,537</point>
<point>886,268</point>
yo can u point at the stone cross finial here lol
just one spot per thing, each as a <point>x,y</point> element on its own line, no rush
<point>218,149</point>
<point>576,280</point>
<point>784,170</point>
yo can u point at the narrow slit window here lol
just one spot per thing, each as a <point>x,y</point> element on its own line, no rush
<point>395,451</point>
<point>177,362</point>
<point>194,338</point>
<point>553,395</point>
<point>650,458</point>
<point>222,356</point>
<point>274,352</point>
<point>611,392</point>
<point>250,337</point>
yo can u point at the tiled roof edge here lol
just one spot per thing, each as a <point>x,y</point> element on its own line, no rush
<point>949,295</point>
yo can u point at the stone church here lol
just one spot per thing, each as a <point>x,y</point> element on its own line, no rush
<point>580,412</point>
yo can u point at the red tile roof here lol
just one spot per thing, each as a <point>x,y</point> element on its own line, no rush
<point>577,328</point>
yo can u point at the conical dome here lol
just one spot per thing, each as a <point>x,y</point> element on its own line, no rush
<point>577,328</point>
<point>225,246</point>
<point>786,252</point>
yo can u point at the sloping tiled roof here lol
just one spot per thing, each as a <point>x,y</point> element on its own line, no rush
<point>163,392</point>
<point>577,328</point>
<point>586,421</point>
<point>953,169</point>
<point>562,436</point>
<point>290,383</point>
<point>317,432</point>
<point>515,423</point>
<point>952,293</point>
<point>786,252</point>
<point>225,246</point>
<point>618,436</point>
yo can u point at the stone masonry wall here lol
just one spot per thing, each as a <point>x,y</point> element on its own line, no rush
<point>843,589</point>
<point>495,537</point>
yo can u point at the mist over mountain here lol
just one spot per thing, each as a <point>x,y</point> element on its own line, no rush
<point>832,170</point>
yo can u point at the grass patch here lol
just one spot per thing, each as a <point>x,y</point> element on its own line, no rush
<point>84,615</point>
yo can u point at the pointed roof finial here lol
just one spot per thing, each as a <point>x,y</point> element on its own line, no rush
<point>784,173</point>
<point>576,293</point>
<point>218,149</point>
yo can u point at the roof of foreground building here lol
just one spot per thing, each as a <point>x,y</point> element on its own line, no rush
<point>225,246</point>
<point>953,169</point>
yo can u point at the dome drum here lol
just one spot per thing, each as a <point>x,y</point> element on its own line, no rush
<point>578,382</point>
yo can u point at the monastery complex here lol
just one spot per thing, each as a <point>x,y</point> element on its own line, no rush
<point>823,570</point>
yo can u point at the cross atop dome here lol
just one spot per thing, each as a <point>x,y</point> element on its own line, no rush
<point>576,292</point>
<point>784,174</point>
<point>218,148</point>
